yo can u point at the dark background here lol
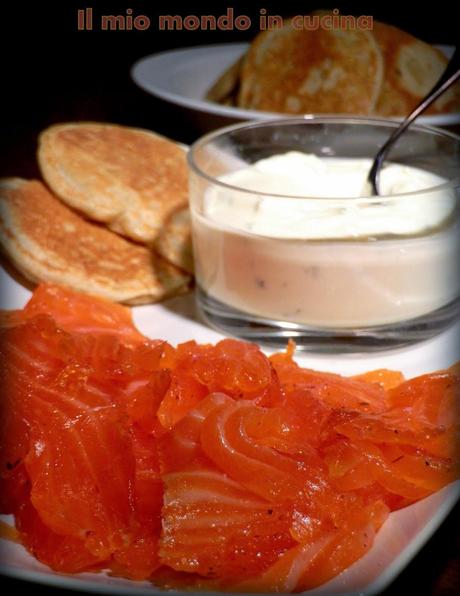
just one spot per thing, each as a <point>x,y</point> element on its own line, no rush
<point>51,72</point>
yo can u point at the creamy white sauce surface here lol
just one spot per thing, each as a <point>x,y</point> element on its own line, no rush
<point>336,207</point>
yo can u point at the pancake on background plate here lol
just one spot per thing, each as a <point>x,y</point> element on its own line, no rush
<point>300,71</point>
<point>411,68</point>
<point>384,71</point>
<point>47,241</point>
<point>130,179</point>
<point>225,89</point>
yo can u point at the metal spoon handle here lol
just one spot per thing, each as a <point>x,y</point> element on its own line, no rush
<point>448,78</point>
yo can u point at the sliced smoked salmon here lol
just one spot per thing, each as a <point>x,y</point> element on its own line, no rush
<point>208,467</point>
<point>82,313</point>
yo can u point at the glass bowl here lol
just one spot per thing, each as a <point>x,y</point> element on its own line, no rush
<point>329,272</point>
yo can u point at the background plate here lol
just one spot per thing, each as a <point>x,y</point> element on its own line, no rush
<point>182,77</point>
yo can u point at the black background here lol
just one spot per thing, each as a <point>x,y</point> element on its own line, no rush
<point>51,72</point>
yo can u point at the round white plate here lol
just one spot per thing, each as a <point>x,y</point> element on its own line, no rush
<point>400,538</point>
<point>182,77</point>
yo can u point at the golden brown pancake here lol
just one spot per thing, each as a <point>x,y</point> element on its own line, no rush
<point>47,241</point>
<point>411,68</point>
<point>304,71</point>
<point>174,242</point>
<point>130,179</point>
<point>225,89</point>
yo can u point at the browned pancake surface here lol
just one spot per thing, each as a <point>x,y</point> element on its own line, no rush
<point>174,242</point>
<point>411,68</point>
<point>47,241</point>
<point>225,89</point>
<point>311,71</point>
<point>130,179</point>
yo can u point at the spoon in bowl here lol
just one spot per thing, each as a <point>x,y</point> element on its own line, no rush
<point>448,78</point>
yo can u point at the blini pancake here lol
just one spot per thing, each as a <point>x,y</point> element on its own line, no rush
<point>174,242</point>
<point>300,71</point>
<point>225,89</point>
<point>130,179</point>
<point>47,241</point>
<point>411,68</point>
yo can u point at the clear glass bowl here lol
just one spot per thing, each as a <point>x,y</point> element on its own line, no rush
<point>375,289</point>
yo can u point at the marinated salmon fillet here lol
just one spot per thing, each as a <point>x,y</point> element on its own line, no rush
<point>81,313</point>
<point>212,524</point>
<point>204,466</point>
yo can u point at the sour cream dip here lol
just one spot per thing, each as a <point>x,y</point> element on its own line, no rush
<point>295,237</point>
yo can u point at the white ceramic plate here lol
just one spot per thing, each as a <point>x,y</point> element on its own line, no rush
<point>402,535</point>
<point>182,77</point>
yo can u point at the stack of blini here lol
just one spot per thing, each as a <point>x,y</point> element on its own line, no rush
<point>110,218</point>
<point>384,71</point>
